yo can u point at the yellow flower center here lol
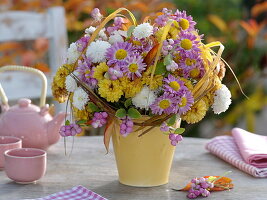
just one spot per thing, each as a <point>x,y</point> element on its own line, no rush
<point>121,54</point>
<point>133,67</point>
<point>164,104</point>
<point>186,44</point>
<point>189,61</point>
<point>183,102</point>
<point>138,43</point>
<point>184,24</point>
<point>177,58</point>
<point>175,85</point>
<point>87,72</point>
<point>194,73</point>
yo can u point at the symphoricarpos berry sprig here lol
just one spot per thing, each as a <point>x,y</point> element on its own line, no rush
<point>70,130</point>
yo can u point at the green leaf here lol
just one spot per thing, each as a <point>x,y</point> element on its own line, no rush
<point>167,60</point>
<point>93,107</point>
<point>160,69</point>
<point>120,113</point>
<point>82,121</point>
<point>130,31</point>
<point>133,113</point>
<point>67,122</point>
<point>172,120</point>
<point>179,130</point>
<point>128,102</point>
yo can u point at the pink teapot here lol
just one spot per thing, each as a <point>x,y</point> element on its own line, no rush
<point>33,124</point>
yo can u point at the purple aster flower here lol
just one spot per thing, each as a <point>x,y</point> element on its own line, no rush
<point>185,22</point>
<point>185,103</point>
<point>82,43</point>
<point>119,52</point>
<point>164,104</point>
<point>134,66</point>
<point>187,44</point>
<point>99,119</point>
<point>117,25</point>
<point>195,71</point>
<point>115,72</point>
<point>161,20</point>
<point>86,72</point>
<point>174,85</point>
<point>142,45</point>
<point>191,60</point>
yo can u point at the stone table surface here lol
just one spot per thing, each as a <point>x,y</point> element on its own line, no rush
<point>91,167</point>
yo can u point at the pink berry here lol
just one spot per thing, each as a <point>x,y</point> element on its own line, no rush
<point>172,137</point>
<point>179,138</point>
<point>173,143</point>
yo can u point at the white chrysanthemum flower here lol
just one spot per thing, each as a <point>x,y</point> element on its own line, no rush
<point>222,100</point>
<point>143,30</point>
<point>80,98</point>
<point>72,53</point>
<point>144,98</point>
<point>89,31</point>
<point>117,36</point>
<point>102,34</point>
<point>70,83</point>
<point>97,50</point>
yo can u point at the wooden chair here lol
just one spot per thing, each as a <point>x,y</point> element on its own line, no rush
<point>21,26</point>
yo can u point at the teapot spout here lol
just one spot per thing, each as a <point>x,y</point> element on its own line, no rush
<point>53,127</point>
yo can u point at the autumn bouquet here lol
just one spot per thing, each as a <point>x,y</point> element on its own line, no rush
<point>159,68</point>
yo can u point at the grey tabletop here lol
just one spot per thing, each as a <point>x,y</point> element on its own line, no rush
<point>91,167</point>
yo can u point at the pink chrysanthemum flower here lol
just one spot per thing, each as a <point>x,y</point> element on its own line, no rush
<point>119,52</point>
<point>134,66</point>
<point>187,44</point>
<point>174,85</point>
<point>86,72</point>
<point>164,104</point>
<point>185,103</point>
<point>185,22</point>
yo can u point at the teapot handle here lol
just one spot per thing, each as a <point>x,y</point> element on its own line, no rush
<point>25,69</point>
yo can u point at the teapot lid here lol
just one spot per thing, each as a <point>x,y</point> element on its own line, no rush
<point>24,106</point>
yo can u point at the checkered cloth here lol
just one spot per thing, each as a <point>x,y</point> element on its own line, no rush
<point>75,193</point>
<point>225,148</point>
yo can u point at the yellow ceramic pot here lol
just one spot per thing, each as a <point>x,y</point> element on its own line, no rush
<point>143,161</point>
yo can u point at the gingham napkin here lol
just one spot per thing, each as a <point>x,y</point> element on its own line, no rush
<point>75,193</point>
<point>225,148</point>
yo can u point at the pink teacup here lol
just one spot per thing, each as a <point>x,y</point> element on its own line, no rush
<point>25,165</point>
<point>6,143</point>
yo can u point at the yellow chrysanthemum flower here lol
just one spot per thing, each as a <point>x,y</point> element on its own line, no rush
<point>172,34</point>
<point>110,90</point>
<point>187,83</point>
<point>208,99</point>
<point>131,88</point>
<point>61,74</point>
<point>100,71</point>
<point>58,86</point>
<point>196,113</point>
<point>59,94</point>
<point>156,81</point>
